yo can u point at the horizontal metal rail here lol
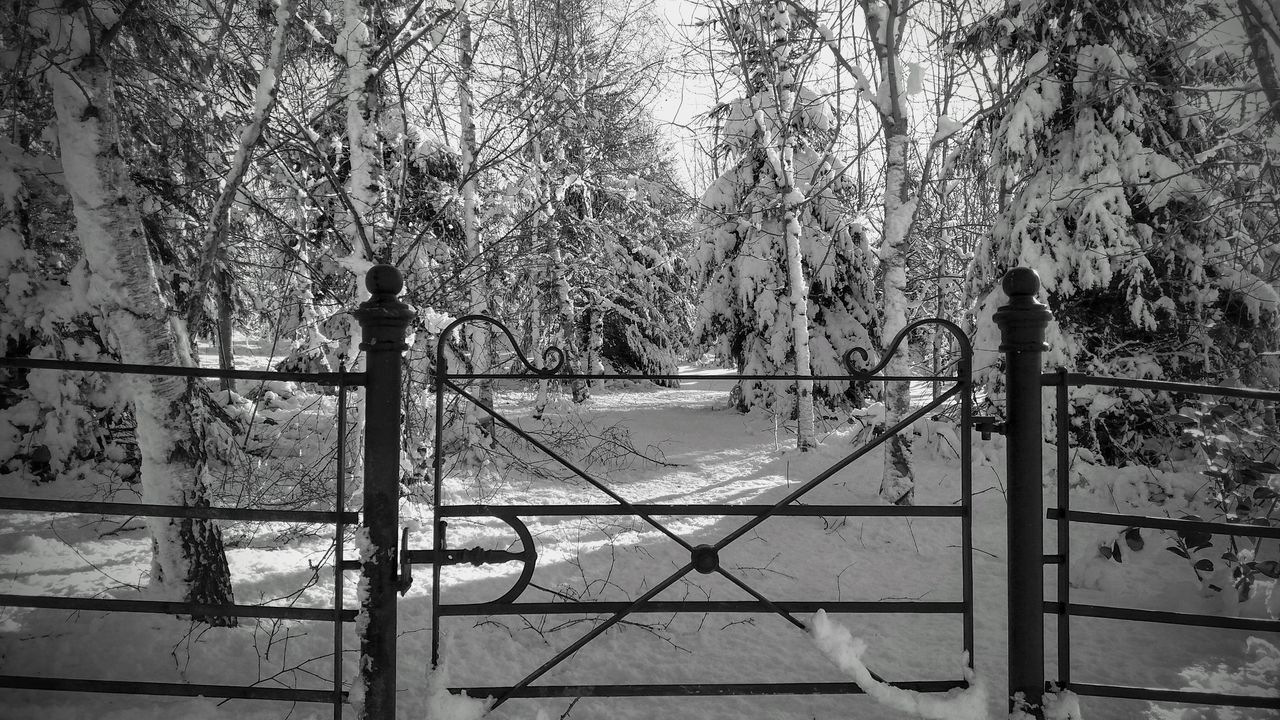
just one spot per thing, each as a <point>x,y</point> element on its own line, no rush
<point>1159,616</point>
<point>128,687</point>
<point>172,607</point>
<point>151,510</point>
<point>700,509</point>
<point>1080,379</point>
<point>884,607</point>
<point>1158,523</point>
<point>1190,697</point>
<point>700,689</point>
<point>725,376</point>
<point>329,378</point>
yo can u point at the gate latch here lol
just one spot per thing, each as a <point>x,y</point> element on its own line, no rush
<point>476,556</point>
<point>987,424</point>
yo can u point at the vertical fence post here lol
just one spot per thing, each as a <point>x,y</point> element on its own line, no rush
<point>384,321</point>
<point>1022,326</point>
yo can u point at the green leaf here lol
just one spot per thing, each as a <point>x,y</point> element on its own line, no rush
<point>1204,565</point>
<point>1230,557</point>
<point>1104,551</point>
<point>1222,410</point>
<point>1178,551</point>
<point>1262,466</point>
<point>1270,568</point>
<point>1263,492</point>
<point>1115,551</point>
<point>1133,538</point>
<point>1195,538</point>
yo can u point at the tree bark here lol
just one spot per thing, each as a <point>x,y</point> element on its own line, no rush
<point>898,483</point>
<point>479,296</point>
<point>797,284</point>
<point>226,356</point>
<point>189,561</point>
<point>1261,20</point>
<point>213,260</point>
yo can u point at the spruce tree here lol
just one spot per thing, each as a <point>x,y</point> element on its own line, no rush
<point>1122,197</point>
<point>781,185</point>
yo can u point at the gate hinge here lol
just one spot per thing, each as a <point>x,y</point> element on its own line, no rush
<point>986,425</point>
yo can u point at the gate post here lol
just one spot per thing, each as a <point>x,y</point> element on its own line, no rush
<point>384,321</point>
<point>1022,326</point>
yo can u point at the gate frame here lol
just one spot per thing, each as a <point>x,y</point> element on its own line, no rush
<point>703,558</point>
<point>1022,323</point>
<point>340,518</point>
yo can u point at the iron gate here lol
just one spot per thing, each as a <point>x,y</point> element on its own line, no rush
<point>1064,516</point>
<point>703,557</point>
<point>340,518</point>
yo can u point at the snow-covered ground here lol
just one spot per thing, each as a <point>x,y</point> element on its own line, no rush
<point>708,454</point>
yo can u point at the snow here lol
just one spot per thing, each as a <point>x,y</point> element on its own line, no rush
<point>714,456</point>
<point>1062,705</point>
<point>444,705</point>
<point>915,78</point>
<point>946,128</point>
<point>838,644</point>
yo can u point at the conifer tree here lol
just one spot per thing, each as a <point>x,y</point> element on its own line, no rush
<point>1125,201</point>
<point>785,272</point>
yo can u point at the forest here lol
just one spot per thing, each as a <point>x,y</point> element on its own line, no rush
<point>766,186</point>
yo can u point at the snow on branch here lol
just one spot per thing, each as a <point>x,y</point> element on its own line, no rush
<point>839,645</point>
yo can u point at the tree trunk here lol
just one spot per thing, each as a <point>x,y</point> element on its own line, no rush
<point>363,189</point>
<point>884,24</point>
<point>797,285</point>
<point>212,264</point>
<point>595,337</point>
<point>898,484</point>
<point>189,561</point>
<point>226,356</point>
<point>363,109</point>
<point>477,333</point>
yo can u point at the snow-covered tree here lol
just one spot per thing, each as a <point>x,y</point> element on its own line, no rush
<point>133,315</point>
<point>1124,150</point>
<point>588,200</point>
<point>785,272</point>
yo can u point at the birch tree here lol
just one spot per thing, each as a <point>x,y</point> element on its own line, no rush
<point>189,561</point>
<point>211,266</point>
<point>479,294</point>
<point>886,23</point>
<point>781,262</point>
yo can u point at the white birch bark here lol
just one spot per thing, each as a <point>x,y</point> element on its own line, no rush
<point>362,143</point>
<point>898,484</point>
<point>567,310</point>
<point>595,337</point>
<point>361,191</point>
<point>480,423</point>
<point>884,24</point>
<point>798,299</point>
<point>797,284</point>
<point>189,561</point>
<point>542,212</point>
<point>216,228</point>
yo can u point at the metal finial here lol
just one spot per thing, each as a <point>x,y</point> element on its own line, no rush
<point>1021,281</point>
<point>384,280</point>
